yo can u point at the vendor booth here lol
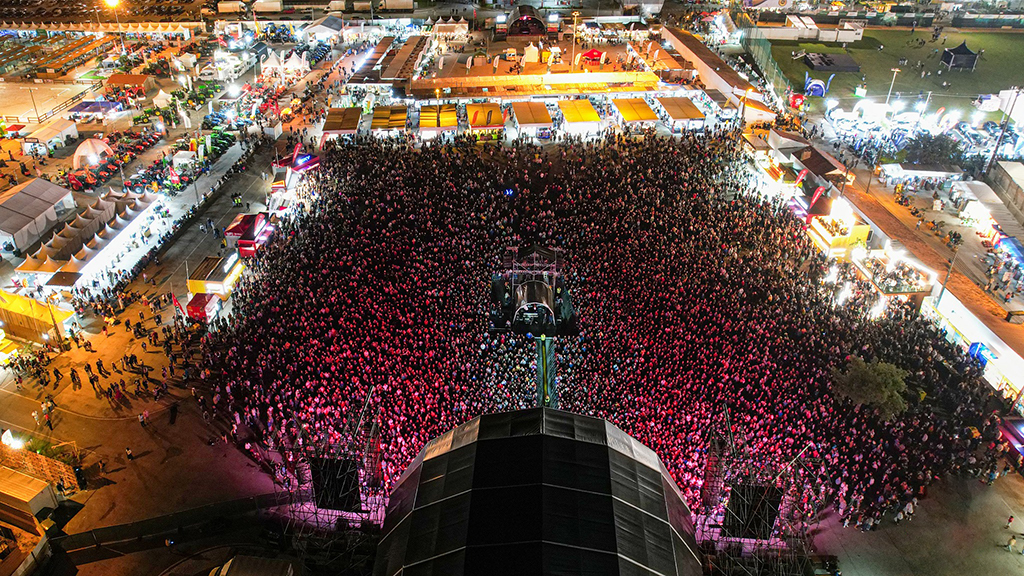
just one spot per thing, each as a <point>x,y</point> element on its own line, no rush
<point>216,276</point>
<point>249,233</point>
<point>144,82</point>
<point>485,117</point>
<point>93,110</point>
<point>341,122</point>
<point>182,158</point>
<point>30,319</point>
<point>90,152</point>
<point>203,307</point>
<point>580,116</point>
<point>437,119</point>
<point>54,135</point>
<point>838,232</point>
<point>634,111</point>
<point>894,274</point>
<point>681,114</point>
<point>389,119</point>
<point>532,119</point>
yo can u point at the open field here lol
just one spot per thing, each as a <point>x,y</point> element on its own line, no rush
<point>1003,53</point>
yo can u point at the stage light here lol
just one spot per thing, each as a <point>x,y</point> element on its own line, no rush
<point>93,159</point>
<point>234,91</point>
<point>112,3</point>
<point>159,126</point>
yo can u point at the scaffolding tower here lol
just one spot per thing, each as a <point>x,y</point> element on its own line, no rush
<point>334,497</point>
<point>757,513</point>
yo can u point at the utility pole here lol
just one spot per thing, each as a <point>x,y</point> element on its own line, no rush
<point>895,71</point>
<point>1006,123</point>
<point>575,15</point>
<point>32,95</point>
<point>949,272</point>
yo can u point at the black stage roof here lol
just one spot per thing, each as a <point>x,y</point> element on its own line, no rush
<point>536,492</point>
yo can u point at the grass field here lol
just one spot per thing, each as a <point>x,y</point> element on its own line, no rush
<point>997,68</point>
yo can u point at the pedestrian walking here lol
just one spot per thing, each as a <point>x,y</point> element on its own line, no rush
<point>128,453</point>
<point>142,420</point>
<point>1011,543</point>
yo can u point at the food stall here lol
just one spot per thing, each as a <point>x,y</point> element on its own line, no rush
<point>839,231</point>
<point>389,119</point>
<point>216,276</point>
<point>894,274</point>
<point>437,119</point>
<point>681,114</point>
<point>532,119</point>
<point>634,111</point>
<point>203,307</point>
<point>580,116</point>
<point>249,232</point>
<point>485,117</point>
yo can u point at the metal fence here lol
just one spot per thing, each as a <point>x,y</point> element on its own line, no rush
<point>759,47</point>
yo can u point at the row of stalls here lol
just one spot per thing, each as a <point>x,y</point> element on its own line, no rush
<point>535,118</point>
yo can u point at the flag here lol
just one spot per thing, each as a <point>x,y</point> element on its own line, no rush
<point>178,305</point>
<point>295,154</point>
<point>175,179</point>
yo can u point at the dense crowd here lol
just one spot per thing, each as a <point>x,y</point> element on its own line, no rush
<point>703,310</point>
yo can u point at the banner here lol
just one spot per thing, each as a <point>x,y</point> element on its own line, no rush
<point>178,305</point>
<point>817,194</point>
<point>800,177</point>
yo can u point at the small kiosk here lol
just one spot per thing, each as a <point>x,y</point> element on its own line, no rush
<point>486,117</point>
<point>216,276</point>
<point>838,232</point>
<point>203,307</point>
<point>580,116</point>
<point>532,119</point>
<point>437,119</point>
<point>681,114</point>
<point>635,111</point>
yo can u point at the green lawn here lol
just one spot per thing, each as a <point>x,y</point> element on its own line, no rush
<point>996,70</point>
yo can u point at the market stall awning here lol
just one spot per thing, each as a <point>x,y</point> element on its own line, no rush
<point>342,120</point>
<point>484,116</point>
<point>442,117</point>
<point>635,110</point>
<point>532,114</point>
<point>577,111</point>
<point>389,118</point>
<point>679,109</point>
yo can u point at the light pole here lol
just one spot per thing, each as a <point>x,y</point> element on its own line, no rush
<point>113,4</point>
<point>56,331</point>
<point>895,71</point>
<point>1006,122</point>
<point>575,15</point>
<point>949,273</point>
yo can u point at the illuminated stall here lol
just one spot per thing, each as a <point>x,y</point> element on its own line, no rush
<point>681,114</point>
<point>389,119</point>
<point>485,117</point>
<point>580,116</point>
<point>216,276</point>
<point>532,119</point>
<point>894,274</point>
<point>634,111</point>
<point>838,232</point>
<point>437,119</point>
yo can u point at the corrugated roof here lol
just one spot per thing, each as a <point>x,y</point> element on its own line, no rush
<point>531,113</point>
<point>578,111</point>
<point>681,108</point>
<point>635,110</point>
<point>443,117</point>
<point>485,115</point>
<point>389,118</point>
<point>342,119</point>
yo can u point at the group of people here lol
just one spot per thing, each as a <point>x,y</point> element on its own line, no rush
<point>704,311</point>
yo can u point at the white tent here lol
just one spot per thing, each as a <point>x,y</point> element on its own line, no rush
<point>162,99</point>
<point>89,152</point>
<point>295,62</point>
<point>272,61</point>
<point>53,134</point>
<point>182,157</point>
<point>28,210</point>
<point>531,54</point>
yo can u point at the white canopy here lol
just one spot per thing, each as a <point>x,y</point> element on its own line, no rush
<point>162,99</point>
<point>89,150</point>
<point>28,210</point>
<point>272,61</point>
<point>295,62</point>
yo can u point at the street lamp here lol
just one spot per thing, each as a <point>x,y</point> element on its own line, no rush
<point>895,71</point>
<point>575,15</point>
<point>113,4</point>
<point>949,272</point>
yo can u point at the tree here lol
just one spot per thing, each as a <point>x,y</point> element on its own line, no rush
<point>928,149</point>
<point>876,384</point>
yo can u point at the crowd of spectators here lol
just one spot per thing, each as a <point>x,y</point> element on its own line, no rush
<point>704,310</point>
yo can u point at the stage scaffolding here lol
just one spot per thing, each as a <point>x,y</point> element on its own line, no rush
<point>736,480</point>
<point>340,535</point>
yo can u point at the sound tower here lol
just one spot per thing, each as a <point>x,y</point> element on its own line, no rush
<point>335,484</point>
<point>752,511</point>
